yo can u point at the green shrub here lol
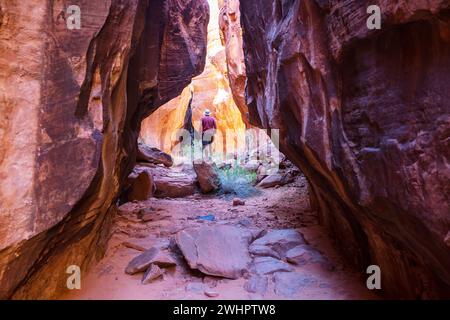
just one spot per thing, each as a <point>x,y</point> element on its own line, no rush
<point>237,181</point>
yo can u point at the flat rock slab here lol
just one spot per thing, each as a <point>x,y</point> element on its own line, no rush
<point>288,284</point>
<point>216,250</point>
<point>280,240</point>
<point>151,256</point>
<point>268,265</point>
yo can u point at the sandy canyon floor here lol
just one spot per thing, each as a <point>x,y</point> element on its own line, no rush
<point>285,207</point>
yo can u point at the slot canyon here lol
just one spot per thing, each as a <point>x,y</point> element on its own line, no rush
<point>331,152</point>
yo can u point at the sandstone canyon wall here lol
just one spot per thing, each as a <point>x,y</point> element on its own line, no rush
<point>71,103</point>
<point>211,90</point>
<point>231,36</point>
<point>366,115</point>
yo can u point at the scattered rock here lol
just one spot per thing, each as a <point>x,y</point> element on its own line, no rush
<point>153,155</point>
<point>196,287</point>
<point>268,265</point>
<point>142,187</point>
<point>274,180</point>
<point>153,272</point>
<point>280,240</point>
<point>288,283</point>
<point>238,202</point>
<point>219,250</point>
<point>263,251</point>
<point>151,256</point>
<point>211,294</point>
<point>207,176</point>
<point>257,284</point>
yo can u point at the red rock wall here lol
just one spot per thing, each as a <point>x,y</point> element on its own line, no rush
<point>71,105</point>
<point>366,115</point>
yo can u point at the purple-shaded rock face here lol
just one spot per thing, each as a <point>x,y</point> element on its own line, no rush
<point>71,106</point>
<point>366,115</point>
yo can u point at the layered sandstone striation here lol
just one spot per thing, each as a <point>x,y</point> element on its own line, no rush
<point>366,115</point>
<point>71,105</point>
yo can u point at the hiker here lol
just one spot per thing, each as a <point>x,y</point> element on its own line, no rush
<point>208,130</point>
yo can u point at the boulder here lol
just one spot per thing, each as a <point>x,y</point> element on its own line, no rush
<point>274,180</point>
<point>207,177</point>
<point>173,184</point>
<point>142,186</point>
<point>280,240</point>
<point>219,250</point>
<point>153,155</point>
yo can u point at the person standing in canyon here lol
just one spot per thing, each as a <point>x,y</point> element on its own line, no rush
<point>208,130</point>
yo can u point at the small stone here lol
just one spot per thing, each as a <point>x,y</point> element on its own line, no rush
<point>152,273</point>
<point>211,294</point>
<point>257,284</point>
<point>196,287</point>
<point>245,222</point>
<point>238,202</point>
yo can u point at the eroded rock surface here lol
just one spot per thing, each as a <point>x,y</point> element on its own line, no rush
<point>365,114</point>
<point>72,102</point>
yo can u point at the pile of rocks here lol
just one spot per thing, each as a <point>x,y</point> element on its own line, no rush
<point>232,252</point>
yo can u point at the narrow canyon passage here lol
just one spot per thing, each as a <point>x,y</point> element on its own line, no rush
<point>295,260</point>
<point>224,149</point>
<point>318,272</point>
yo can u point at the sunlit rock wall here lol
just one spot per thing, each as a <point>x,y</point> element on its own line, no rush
<point>71,103</point>
<point>211,90</point>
